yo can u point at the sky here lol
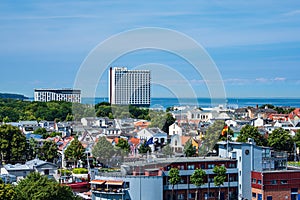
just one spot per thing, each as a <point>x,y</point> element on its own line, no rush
<point>254,44</point>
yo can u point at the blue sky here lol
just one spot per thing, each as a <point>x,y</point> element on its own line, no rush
<point>255,44</point>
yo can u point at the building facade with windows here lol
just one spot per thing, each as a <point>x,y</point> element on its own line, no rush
<point>129,87</point>
<point>69,95</point>
<point>149,179</point>
<point>250,158</point>
<point>276,185</point>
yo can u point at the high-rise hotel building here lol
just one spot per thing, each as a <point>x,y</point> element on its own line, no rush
<point>68,95</point>
<point>129,87</point>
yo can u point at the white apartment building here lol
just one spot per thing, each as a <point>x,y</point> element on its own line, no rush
<point>129,87</point>
<point>68,95</point>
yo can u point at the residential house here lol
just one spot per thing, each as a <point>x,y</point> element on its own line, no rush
<point>28,126</point>
<point>35,165</point>
<point>64,128</point>
<point>175,129</point>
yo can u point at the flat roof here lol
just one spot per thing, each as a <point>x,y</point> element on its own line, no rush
<point>177,160</point>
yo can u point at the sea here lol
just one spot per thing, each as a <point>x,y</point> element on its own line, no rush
<point>163,103</point>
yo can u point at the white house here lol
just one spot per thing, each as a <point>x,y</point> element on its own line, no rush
<point>175,129</point>
<point>231,123</point>
<point>259,122</point>
<point>201,115</point>
<point>28,126</point>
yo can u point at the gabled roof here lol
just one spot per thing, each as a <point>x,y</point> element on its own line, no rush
<point>28,166</point>
<point>38,163</point>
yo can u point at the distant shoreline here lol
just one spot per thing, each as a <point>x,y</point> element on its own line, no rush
<point>205,102</point>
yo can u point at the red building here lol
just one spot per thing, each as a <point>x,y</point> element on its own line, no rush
<point>276,185</point>
<point>185,189</point>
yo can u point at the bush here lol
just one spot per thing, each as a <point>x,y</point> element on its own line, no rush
<point>80,171</point>
<point>65,172</point>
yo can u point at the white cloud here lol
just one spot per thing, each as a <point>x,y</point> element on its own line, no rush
<point>292,13</point>
<point>279,79</point>
<point>262,80</point>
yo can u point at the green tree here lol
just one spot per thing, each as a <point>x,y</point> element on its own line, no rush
<point>69,117</point>
<point>75,151</point>
<point>12,143</point>
<point>103,150</point>
<point>249,131</point>
<point>143,149</point>
<point>220,177</point>
<point>297,138</point>
<point>6,119</point>
<point>197,178</point>
<point>167,150</point>
<point>7,191</point>
<point>174,178</point>
<point>40,131</point>
<point>123,146</point>
<point>280,140</point>
<point>38,187</point>
<point>211,137</point>
<point>48,151</point>
<point>189,150</point>
<point>169,120</point>
<point>32,149</point>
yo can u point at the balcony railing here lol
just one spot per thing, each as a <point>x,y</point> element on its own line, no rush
<point>205,186</point>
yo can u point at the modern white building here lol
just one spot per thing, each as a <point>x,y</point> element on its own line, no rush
<point>129,87</point>
<point>46,95</point>
<point>250,157</point>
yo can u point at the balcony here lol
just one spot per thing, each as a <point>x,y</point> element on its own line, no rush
<point>205,186</point>
<point>208,171</point>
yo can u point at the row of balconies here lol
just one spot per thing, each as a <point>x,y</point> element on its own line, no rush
<point>208,171</point>
<point>205,186</point>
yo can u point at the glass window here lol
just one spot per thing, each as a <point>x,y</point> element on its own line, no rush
<point>191,167</point>
<point>283,181</point>
<point>253,195</point>
<point>211,166</point>
<point>273,182</point>
<point>254,180</point>
<point>294,190</point>
<point>258,181</point>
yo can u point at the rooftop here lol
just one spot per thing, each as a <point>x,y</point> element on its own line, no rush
<point>176,160</point>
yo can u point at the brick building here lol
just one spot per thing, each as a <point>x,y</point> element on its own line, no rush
<point>276,185</point>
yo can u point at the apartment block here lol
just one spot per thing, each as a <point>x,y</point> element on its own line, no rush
<point>129,87</point>
<point>69,95</point>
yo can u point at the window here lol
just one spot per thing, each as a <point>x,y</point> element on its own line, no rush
<point>211,166</point>
<point>258,181</point>
<point>191,167</point>
<point>254,180</point>
<point>240,159</point>
<point>180,196</point>
<point>269,197</point>
<point>283,181</point>
<point>231,165</point>
<point>211,194</point>
<point>273,182</point>
<point>253,195</point>
<point>192,195</point>
<point>294,190</point>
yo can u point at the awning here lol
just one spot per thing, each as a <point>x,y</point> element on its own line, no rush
<point>114,182</point>
<point>99,182</point>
